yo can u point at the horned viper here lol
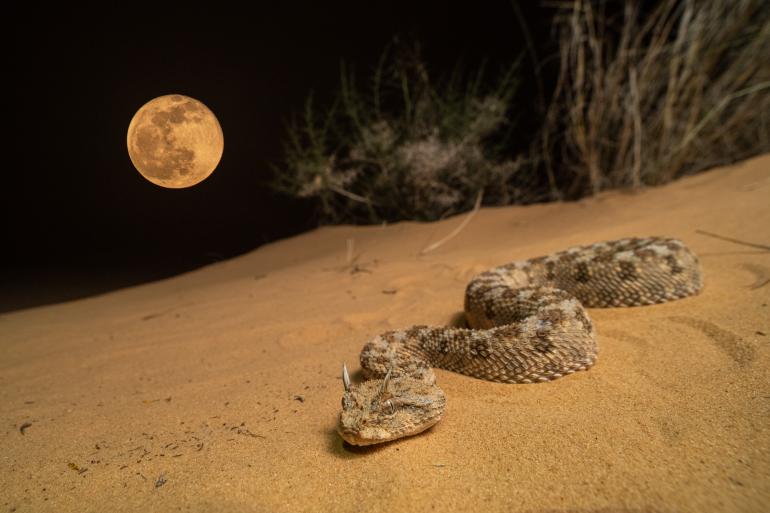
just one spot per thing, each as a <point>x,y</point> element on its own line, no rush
<point>528,324</point>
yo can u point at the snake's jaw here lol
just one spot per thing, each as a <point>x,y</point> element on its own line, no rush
<point>378,411</point>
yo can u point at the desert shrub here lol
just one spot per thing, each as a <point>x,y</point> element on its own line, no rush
<point>646,95</point>
<point>405,148</point>
<point>645,92</point>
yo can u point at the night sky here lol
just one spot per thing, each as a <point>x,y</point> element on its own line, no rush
<point>80,219</point>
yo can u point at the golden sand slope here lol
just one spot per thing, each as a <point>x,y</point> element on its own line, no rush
<point>219,390</point>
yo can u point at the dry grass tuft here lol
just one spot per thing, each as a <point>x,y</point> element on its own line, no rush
<point>644,97</point>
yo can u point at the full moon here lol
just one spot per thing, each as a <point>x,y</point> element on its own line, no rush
<point>175,141</point>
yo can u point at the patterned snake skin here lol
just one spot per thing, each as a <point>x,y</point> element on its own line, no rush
<point>528,325</point>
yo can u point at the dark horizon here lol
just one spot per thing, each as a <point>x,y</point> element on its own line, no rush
<point>76,209</point>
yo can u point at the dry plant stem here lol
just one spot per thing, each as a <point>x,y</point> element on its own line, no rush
<point>351,195</point>
<point>736,241</point>
<point>459,228</point>
<point>350,245</point>
<point>718,108</point>
<point>636,172</point>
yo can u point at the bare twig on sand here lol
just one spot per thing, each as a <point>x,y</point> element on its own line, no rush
<point>351,260</point>
<point>735,241</point>
<point>459,228</point>
<point>351,243</point>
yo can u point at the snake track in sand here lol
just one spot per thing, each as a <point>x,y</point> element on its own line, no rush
<point>527,325</point>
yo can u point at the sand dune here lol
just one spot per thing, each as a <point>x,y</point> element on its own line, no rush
<point>219,390</point>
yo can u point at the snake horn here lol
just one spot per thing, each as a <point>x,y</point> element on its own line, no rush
<point>345,378</point>
<point>384,385</point>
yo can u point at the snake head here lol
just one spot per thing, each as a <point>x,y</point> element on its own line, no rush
<point>381,410</point>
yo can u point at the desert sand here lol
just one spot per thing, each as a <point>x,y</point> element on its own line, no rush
<point>219,390</point>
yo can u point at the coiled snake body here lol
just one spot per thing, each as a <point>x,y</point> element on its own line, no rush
<point>527,325</point>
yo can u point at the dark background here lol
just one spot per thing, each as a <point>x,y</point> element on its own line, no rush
<point>79,219</point>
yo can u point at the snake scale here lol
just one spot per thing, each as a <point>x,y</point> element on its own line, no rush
<point>527,324</point>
